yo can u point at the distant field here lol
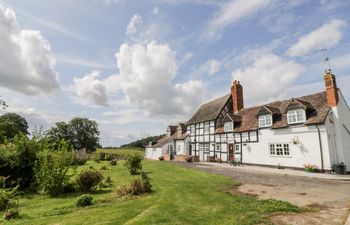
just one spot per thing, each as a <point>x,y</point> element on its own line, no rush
<point>122,152</point>
<point>181,196</point>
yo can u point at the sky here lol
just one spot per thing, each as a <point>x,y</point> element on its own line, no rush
<point>136,66</point>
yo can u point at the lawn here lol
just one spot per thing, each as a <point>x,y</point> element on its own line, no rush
<point>122,152</point>
<point>181,196</point>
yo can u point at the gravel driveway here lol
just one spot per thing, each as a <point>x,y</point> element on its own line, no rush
<point>328,199</point>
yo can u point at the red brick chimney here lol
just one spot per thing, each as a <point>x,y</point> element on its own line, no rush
<point>237,96</point>
<point>331,88</point>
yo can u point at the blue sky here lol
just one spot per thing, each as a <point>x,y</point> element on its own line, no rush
<point>137,66</point>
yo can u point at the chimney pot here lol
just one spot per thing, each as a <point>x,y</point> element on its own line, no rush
<point>237,96</point>
<point>331,89</point>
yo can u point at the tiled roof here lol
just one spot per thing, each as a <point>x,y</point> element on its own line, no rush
<point>210,110</point>
<point>174,136</point>
<point>317,102</point>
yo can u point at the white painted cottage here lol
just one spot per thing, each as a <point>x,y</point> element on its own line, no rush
<point>312,129</point>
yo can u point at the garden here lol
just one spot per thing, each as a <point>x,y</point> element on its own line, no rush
<point>61,176</point>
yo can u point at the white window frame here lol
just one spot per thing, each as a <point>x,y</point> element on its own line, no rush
<point>237,148</point>
<point>218,147</point>
<point>206,127</point>
<point>279,149</point>
<point>206,147</point>
<point>228,126</point>
<point>178,148</point>
<point>296,116</point>
<point>265,121</point>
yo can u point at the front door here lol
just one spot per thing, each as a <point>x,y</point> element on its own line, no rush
<point>231,155</point>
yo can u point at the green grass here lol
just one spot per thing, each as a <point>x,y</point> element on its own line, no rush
<point>122,151</point>
<point>181,196</point>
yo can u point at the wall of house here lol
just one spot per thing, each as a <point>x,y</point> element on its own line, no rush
<point>339,129</point>
<point>307,151</point>
<point>153,153</point>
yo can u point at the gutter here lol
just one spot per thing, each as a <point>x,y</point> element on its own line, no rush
<point>321,150</point>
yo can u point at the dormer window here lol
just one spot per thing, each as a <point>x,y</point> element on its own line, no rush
<point>296,116</point>
<point>265,121</point>
<point>228,126</point>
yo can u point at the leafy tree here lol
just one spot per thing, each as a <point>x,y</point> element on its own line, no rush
<point>12,124</point>
<point>79,132</point>
<point>143,142</point>
<point>2,104</point>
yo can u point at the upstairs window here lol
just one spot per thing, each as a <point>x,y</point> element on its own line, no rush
<point>206,127</point>
<point>296,116</point>
<point>265,121</point>
<point>228,126</point>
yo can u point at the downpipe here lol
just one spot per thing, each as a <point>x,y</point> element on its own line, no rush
<point>321,150</point>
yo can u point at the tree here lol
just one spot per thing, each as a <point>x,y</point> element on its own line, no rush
<point>78,132</point>
<point>2,104</point>
<point>12,124</point>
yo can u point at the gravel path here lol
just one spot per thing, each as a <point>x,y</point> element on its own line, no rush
<point>329,199</point>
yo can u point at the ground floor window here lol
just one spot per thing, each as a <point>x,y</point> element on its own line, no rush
<point>207,147</point>
<point>237,147</point>
<point>217,147</point>
<point>279,149</point>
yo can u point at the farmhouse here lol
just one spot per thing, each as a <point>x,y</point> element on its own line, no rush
<point>312,129</point>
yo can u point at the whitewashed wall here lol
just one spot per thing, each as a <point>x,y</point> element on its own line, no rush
<point>153,153</point>
<point>339,132</point>
<point>308,151</point>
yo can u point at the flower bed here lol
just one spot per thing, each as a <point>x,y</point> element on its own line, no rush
<point>310,168</point>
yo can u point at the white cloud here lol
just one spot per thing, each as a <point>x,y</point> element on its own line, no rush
<point>212,67</point>
<point>147,72</point>
<point>135,21</point>
<point>328,35</point>
<point>267,78</point>
<point>90,89</point>
<point>231,13</point>
<point>26,62</point>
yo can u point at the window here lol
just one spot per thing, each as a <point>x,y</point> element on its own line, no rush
<point>237,148</point>
<point>279,149</point>
<point>206,128</point>
<point>228,126</point>
<point>217,147</point>
<point>178,147</point>
<point>206,147</point>
<point>296,116</point>
<point>265,121</point>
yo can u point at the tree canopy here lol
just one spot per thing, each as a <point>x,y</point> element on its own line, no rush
<point>12,124</point>
<point>143,142</point>
<point>78,132</point>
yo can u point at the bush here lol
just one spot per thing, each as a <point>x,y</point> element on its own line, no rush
<point>113,162</point>
<point>88,180</point>
<point>97,158</point>
<point>84,200</point>
<point>17,160</point>
<point>7,197</point>
<point>189,159</point>
<point>108,180</point>
<point>51,170</point>
<point>104,167</point>
<point>136,187</point>
<point>109,157</point>
<point>161,158</point>
<point>134,163</point>
<point>80,157</point>
<point>102,156</point>
<point>11,213</point>
<point>70,187</point>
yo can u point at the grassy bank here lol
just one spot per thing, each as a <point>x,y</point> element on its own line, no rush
<point>181,196</point>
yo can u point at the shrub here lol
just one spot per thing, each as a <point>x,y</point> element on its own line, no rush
<point>189,159</point>
<point>70,187</point>
<point>97,158</point>
<point>161,158</point>
<point>84,200</point>
<point>51,170</point>
<point>134,163</point>
<point>80,157</point>
<point>109,157</point>
<point>11,213</point>
<point>113,162</point>
<point>17,160</point>
<point>102,156</point>
<point>104,167</point>
<point>108,180</point>
<point>88,180</point>
<point>136,187</point>
<point>7,197</point>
